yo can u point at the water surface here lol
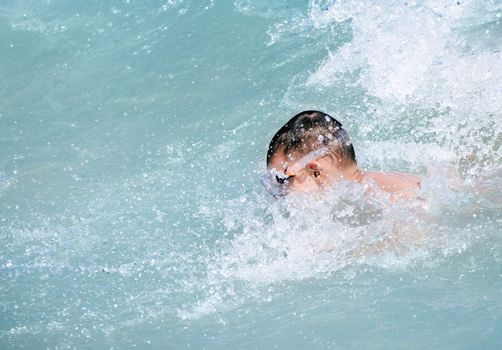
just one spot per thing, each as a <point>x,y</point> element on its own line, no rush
<point>132,139</point>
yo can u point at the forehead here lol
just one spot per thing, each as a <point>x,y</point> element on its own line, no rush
<point>281,161</point>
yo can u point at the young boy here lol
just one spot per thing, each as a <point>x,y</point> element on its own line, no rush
<point>312,151</point>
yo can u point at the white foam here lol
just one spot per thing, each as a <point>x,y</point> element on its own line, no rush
<point>418,56</point>
<point>309,236</point>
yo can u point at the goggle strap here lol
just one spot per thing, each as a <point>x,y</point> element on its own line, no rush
<point>302,163</point>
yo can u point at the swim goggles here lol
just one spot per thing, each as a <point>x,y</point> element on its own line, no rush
<point>276,181</point>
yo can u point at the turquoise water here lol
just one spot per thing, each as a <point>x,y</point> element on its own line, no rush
<point>132,139</point>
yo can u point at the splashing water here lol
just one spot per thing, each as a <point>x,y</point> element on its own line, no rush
<point>132,140</point>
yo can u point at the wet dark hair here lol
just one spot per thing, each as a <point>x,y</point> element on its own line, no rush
<point>308,131</point>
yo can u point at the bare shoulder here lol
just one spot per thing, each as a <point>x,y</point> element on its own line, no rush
<point>395,182</point>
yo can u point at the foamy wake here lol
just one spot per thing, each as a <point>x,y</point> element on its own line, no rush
<point>310,236</point>
<point>426,54</point>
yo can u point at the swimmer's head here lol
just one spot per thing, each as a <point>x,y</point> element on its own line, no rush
<point>310,151</point>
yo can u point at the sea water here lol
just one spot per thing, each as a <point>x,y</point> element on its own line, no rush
<point>132,139</point>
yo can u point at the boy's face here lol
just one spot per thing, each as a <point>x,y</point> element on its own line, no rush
<point>307,179</point>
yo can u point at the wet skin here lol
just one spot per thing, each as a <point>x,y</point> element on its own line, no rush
<point>325,171</point>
